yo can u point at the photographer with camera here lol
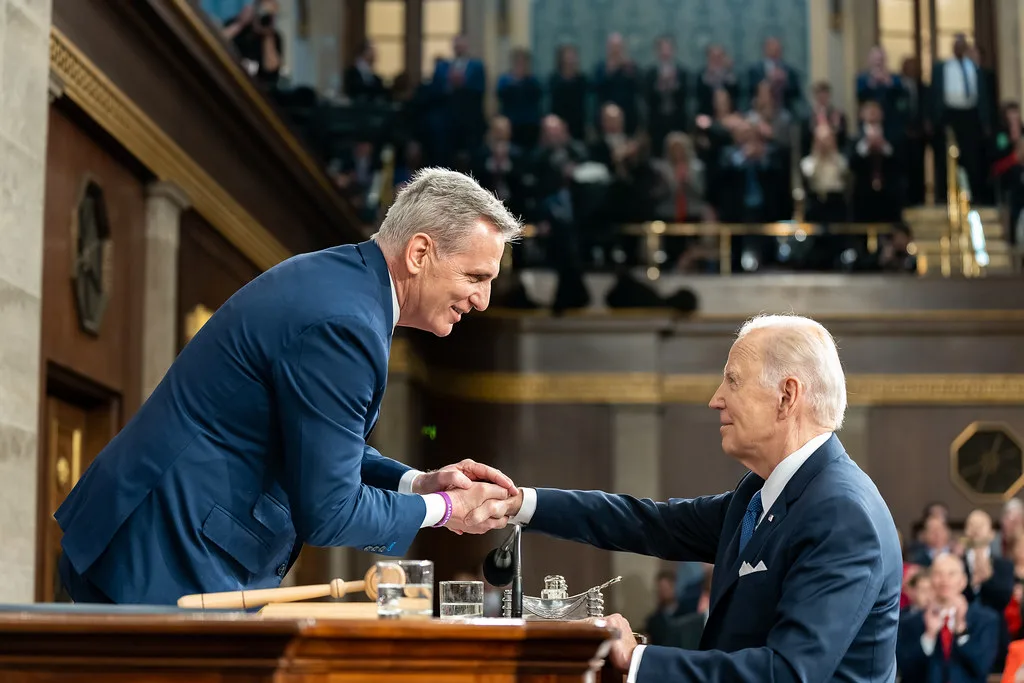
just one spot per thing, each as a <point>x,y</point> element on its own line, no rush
<point>257,40</point>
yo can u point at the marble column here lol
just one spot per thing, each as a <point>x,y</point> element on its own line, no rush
<point>636,471</point>
<point>164,204</point>
<point>24,84</point>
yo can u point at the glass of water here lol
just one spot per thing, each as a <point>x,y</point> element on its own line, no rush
<point>462,599</point>
<point>405,589</point>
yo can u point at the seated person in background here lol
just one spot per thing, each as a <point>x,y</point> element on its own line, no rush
<point>950,641</point>
<point>257,40</point>
<point>919,588</point>
<point>361,82</point>
<point>825,175</point>
<point>660,620</point>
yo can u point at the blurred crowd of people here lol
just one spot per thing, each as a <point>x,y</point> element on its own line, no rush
<point>961,605</point>
<point>580,151</point>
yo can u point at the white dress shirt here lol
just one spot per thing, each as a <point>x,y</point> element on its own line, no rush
<point>957,92</point>
<point>770,492</point>
<point>436,505</point>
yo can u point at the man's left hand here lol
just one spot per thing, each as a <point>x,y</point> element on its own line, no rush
<point>461,475</point>
<point>621,653</point>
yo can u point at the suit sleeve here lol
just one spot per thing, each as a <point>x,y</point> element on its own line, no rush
<point>679,530</point>
<point>837,570</point>
<point>324,386</point>
<point>978,652</point>
<point>380,471</point>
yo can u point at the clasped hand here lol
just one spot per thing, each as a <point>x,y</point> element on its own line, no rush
<point>481,495</point>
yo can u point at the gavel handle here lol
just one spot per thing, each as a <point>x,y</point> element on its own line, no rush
<point>255,598</point>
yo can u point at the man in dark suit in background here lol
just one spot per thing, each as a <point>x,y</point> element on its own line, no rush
<point>952,641</point>
<point>255,442</point>
<point>960,101</point>
<point>807,562</point>
<point>783,78</point>
<point>362,84</point>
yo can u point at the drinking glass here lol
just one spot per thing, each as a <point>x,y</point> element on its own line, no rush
<point>405,589</point>
<point>462,599</point>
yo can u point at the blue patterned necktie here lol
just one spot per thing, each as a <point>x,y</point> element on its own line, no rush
<point>750,518</point>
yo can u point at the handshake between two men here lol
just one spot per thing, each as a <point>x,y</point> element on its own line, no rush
<point>483,498</point>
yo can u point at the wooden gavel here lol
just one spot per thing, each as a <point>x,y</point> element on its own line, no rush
<point>264,596</point>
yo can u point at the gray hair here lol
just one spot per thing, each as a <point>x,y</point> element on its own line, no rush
<point>802,348</point>
<point>1013,506</point>
<point>445,205</point>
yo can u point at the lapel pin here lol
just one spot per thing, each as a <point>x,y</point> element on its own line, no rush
<point>771,517</point>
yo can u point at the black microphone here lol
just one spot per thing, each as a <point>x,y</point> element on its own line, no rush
<point>504,565</point>
<point>498,565</point>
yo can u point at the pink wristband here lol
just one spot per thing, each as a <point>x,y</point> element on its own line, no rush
<point>447,509</point>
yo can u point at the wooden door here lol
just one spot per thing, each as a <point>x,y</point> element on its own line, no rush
<point>77,427</point>
<point>66,428</point>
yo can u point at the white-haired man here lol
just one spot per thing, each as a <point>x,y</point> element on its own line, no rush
<point>807,564</point>
<point>255,441</point>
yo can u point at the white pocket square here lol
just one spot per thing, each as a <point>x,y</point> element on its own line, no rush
<point>745,568</point>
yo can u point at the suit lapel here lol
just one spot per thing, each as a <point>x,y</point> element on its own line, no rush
<point>752,483</point>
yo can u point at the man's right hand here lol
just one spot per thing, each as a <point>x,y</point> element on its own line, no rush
<point>479,508</point>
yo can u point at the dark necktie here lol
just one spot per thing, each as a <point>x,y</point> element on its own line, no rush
<point>750,518</point>
<point>967,80</point>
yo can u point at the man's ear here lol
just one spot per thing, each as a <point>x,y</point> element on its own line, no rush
<point>418,251</point>
<point>791,391</point>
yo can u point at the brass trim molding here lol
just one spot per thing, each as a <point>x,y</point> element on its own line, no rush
<point>651,388</point>
<point>111,109</point>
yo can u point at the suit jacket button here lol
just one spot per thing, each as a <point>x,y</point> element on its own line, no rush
<point>282,570</point>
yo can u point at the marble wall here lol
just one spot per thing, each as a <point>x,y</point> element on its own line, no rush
<point>739,25</point>
<point>24,82</point>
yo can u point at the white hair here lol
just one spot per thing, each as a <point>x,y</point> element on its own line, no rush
<point>446,205</point>
<point>802,348</point>
<point>1014,506</point>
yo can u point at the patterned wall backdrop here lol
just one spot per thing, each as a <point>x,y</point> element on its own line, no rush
<point>739,25</point>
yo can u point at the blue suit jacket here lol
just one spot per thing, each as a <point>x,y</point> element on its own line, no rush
<point>253,444</point>
<point>827,606</point>
<point>970,660</point>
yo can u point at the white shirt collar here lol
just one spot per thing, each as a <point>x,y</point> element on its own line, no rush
<point>784,471</point>
<point>394,303</point>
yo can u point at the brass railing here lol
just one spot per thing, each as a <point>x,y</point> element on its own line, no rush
<point>964,225</point>
<point>653,234</point>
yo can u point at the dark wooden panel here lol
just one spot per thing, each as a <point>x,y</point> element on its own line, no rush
<point>168,73</point>
<point>112,359</point>
<point>909,456</point>
<point>210,269</point>
<point>692,461</point>
<point>538,446</point>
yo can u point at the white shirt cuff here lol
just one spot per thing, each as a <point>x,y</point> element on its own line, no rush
<point>634,663</point>
<point>927,645</point>
<point>529,507</point>
<point>436,507</point>
<point>405,483</point>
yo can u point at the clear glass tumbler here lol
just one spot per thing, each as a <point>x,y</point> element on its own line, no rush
<point>405,589</point>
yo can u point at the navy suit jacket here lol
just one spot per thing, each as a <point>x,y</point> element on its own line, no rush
<point>253,444</point>
<point>827,605</point>
<point>970,660</point>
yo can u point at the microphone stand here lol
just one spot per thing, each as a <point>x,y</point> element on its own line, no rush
<point>517,571</point>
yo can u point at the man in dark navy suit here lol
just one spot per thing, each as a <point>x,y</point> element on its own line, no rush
<point>807,564</point>
<point>255,442</point>
<point>951,640</point>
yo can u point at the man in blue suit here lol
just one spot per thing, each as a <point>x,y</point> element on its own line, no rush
<point>807,564</point>
<point>951,640</point>
<point>255,442</point>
